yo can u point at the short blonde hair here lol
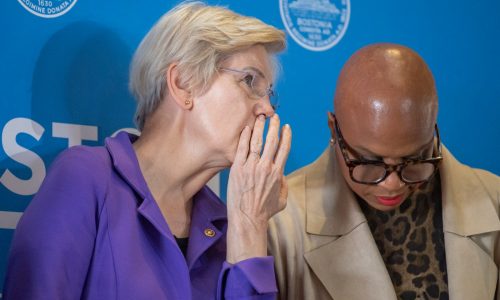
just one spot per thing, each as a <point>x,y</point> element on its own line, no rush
<point>198,37</point>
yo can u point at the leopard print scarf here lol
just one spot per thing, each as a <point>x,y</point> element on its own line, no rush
<point>411,242</point>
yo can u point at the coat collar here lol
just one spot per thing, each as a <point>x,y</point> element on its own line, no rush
<point>125,161</point>
<point>331,206</point>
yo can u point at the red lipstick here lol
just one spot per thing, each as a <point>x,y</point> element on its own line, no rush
<point>390,201</point>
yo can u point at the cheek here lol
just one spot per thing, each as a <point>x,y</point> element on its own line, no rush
<point>362,190</point>
<point>236,120</point>
<point>225,113</point>
<point>233,124</point>
<point>236,106</point>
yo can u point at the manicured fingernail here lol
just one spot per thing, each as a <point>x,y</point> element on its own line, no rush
<point>262,117</point>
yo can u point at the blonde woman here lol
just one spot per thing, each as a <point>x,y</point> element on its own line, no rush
<point>134,219</point>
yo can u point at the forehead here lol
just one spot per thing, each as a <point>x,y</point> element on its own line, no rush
<point>391,138</point>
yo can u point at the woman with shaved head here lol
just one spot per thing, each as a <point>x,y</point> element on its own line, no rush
<point>386,212</point>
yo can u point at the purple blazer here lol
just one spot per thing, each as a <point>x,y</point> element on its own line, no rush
<point>94,231</point>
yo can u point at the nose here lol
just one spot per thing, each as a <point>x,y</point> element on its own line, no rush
<point>392,182</point>
<point>264,107</point>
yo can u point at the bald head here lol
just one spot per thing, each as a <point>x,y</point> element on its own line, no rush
<point>386,87</point>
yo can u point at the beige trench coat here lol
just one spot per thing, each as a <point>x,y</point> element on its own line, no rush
<point>324,249</point>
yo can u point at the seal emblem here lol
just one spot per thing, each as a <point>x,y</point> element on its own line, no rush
<point>47,8</point>
<point>316,25</point>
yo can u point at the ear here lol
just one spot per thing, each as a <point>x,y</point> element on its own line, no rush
<point>180,94</point>
<point>331,125</point>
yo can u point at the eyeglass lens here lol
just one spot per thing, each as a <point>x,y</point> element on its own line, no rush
<point>410,173</point>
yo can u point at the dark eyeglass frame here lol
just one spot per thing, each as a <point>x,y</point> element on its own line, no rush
<point>268,92</point>
<point>352,163</point>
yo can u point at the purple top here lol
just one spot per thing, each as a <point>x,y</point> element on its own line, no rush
<point>94,231</point>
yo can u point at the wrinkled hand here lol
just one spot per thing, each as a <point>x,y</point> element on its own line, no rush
<point>257,188</point>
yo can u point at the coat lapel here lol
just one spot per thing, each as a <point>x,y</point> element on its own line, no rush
<point>346,259</point>
<point>472,274</point>
<point>468,215</point>
<point>351,267</point>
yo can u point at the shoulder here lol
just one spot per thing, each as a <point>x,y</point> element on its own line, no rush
<point>306,184</point>
<point>491,185</point>
<point>81,164</point>
<point>469,195</point>
<point>76,180</point>
<point>287,227</point>
<point>470,181</point>
<point>296,196</point>
<point>83,157</point>
<point>296,189</point>
<point>489,180</point>
<point>67,206</point>
<point>296,180</point>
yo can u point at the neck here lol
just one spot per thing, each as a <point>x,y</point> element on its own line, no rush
<point>175,164</point>
<point>173,168</point>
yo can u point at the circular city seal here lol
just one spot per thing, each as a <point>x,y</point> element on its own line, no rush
<point>48,8</point>
<point>316,25</point>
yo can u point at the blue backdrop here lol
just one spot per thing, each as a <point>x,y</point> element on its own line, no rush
<point>63,80</point>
